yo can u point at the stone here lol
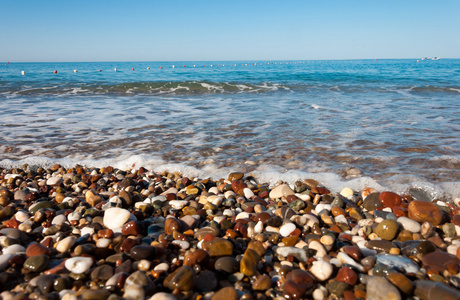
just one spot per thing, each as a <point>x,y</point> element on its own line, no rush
<point>287,229</point>
<point>182,279</point>
<point>140,252</point>
<point>379,288</point>
<point>45,283</point>
<point>440,261</point>
<point>226,293</point>
<point>197,256</point>
<point>321,269</point>
<point>337,288</point>
<point>380,245</point>
<point>39,205</point>
<point>162,296</point>
<point>78,264</point>
<point>65,244</point>
<point>430,290</point>
<point>54,181</point>
<point>226,264</point>
<point>299,283</point>
<point>115,217</point>
<point>282,190</point>
<point>262,283</point>
<point>206,281</point>
<point>298,253</point>
<point>372,202</point>
<point>133,292</point>
<point>409,224</point>
<point>235,176</point>
<point>4,260</point>
<point>36,263</point>
<point>401,282</point>
<point>398,262</point>
<point>92,198</point>
<point>422,211</point>
<point>130,228</point>
<point>248,264</point>
<point>347,275</point>
<point>36,249</point>
<point>171,225</point>
<point>102,273</point>
<point>387,229</point>
<point>354,252</point>
<point>218,247</point>
<point>389,199</point>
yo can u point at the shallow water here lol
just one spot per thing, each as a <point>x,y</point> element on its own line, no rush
<point>395,122</point>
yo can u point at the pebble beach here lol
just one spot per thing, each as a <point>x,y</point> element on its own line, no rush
<point>108,233</point>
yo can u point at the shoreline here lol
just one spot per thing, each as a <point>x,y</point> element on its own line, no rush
<point>94,233</point>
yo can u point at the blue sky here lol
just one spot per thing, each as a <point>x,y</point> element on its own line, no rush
<point>186,30</point>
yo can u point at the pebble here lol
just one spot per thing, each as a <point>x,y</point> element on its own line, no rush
<point>422,211</point>
<point>78,264</point>
<point>409,224</point>
<point>322,270</point>
<point>379,288</point>
<point>182,279</point>
<point>287,229</point>
<point>115,217</point>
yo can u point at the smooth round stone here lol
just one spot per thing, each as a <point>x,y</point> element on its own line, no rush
<point>287,229</point>
<point>262,283</point>
<point>298,283</point>
<point>162,267</point>
<point>134,291</point>
<point>54,181</point>
<point>346,192</point>
<point>37,263</point>
<point>282,190</point>
<point>218,247</point>
<point>440,261</point>
<point>130,228</point>
<point>182,279</point>
<point>422,211</point>
<point>196,256</point>
<point>140,252</point>
<point>430,290</point>
<point>227,265</point>
<point>171,225</point>
<point>353,251</point>
<point>103,243</point>
<point>387,229</point>
<point>380,245</point>
<point>78,264</point>
<point>248,264</point>
<point>206,281</point>
<point>337,288</point>
<point>39,205</point>
<point>379,288</point>
<point>182,244</point>
<point>298,253</point>
<point>45,283</point>
<point>103,273</point>
<point>115,217</point>
<point>14,249</point>
<point>178,204</point>
<point>138,278</point>
<point>372,202</point>
<point>226,293</point>
<point>162,296</point>
<point>401,282</point>
<point>321,269</point>
<point>65,245</point>
<point>36,249</point>
<point>398,262</point>
<point>409,224</point>
<point>4,259</point>
<point>112,281</point>
<point>389,199</point>
<point>347,275</point>
<point>58,220</point>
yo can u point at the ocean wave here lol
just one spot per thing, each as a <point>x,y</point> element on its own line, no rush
<point>267,174</point>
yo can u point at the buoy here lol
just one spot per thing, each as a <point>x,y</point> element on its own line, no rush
<point>132,69</point>
<point>75,71</point>
<point>148,68</point>
<point>161,67</point>
<point>418,60</point>
<point>184,66</point>
<point>55,72</point>
<point>100,70</point>
<point>194,66</point>
<point>173,66</point>
<point>23,72</point>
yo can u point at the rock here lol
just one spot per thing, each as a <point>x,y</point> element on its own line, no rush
<point>226,293</point>
<point>347,275</point>
<point>337,288</point>
<point>54,181</point>
<point>140,252</point>
<point>134,292</point>
<point>287,229</point>
<point>4,260</point>
<point>401,282</point>
<point>430,290</point>
<point>372,201</point>
<point>92,198</point>
<point>102,273</point>
<point>36,263</point>
<point>45,283</point>
<point>115,217</point>
<point>280,191</point>
<point>299,283</point>
<point>218,247</point>
<point>78,264</point>
<point>298,253</point>
<point>389,199</point>
<point>227,265</point>
<point>197,256</point>
<point>235,176</point>
<point>65,244</point>
<point>421,211</point>
<point>409,224</point>
<point>353,251</point>
<point>379,288</point>
<point>248,264</point>
<point>162,296</point>
<point>130,228</point>
<point>398,262</point>
<point>182,279</point>
<point>321,269</point>
<point>171,225</point>
<point>387,229</point>
<point>36,249</point>
<point>440,261</point>
<point>262,283</point>
<point>39,205</point>
<point>206,281</point>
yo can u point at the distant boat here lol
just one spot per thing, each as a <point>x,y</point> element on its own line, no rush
<point>425,58</point>
<point>435,58</point>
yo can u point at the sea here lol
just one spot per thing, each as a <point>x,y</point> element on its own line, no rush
<point>384,124</point>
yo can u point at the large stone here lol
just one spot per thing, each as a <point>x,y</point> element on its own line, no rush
<point>299,283</point>
<point>422,211</point>
<point>430,290</point>
<point>248,264</point>
<point>440,261</point>
<point>389,199</point>
<point>387,229</point>
<point>182,279</point>
<point>379,288</point>
<point>226,293</point>
<point>218,247</point>
<point>115,217</point>
<point>282,190</point>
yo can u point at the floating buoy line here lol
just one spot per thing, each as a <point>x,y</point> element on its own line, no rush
<point>219,65</point>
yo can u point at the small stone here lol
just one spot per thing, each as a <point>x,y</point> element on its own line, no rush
<point>287,229</point>
<point>36,263</point>
<point>321,269</point>
<point>401,282</point>
<point>54,181</point>
<point>372,202</point>
<point>379,288</point>
<point>103,273</point>
<point>197,256</point>
<point>115,217</point>
<point>409,224</point>
<point>421,211</point>
<point>389,199</point>
<point>171,225</point>
<point>65,244</point>
<point>235,176</point>
<point>440,261</point>
<point>140,252</point>
<point>226,293</point>
<point>248,264</point>
<point>183,279</point>
<point>78,264</point>
<point>218,247</point>
<point>162,296</point>
<point>227,265</point>
<point>206,281</point>
<point>262,283</point>
<point>36,249</point>
<point>387,229</point>
<point>130,228</point>
<point>280,191</point>
<point>337,288</point>
<point>398,262</point>
<point>430,290</point>
<point>347,275</point>
<point>299,283</point>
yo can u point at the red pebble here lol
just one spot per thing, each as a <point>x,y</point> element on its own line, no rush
<point>389,199</point>
<point>208,237</point>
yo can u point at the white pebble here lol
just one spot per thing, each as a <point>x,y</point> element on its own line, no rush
<point>214,190</point>
<point>143,265</point>
<point>287,229</point>
<point>341,219</point>
<point>134,292</point>
<point>21,216</point>
<point>103,243</point>
<point>320,293</point>
<point>87,230</point>
<point>112,281</point>
<point>163,296</point>
<point>58,220</point>
<point>320,251</point>
<point>347,192</point>
<point>14,249</point>
<point>311,220</point>
<point>322,206</point>
<point>322,270</point>
<point>182,244</point>
<point>178,204</point>
<point>409,224</point>
<point>161,267</point>
<point>248,193</point>
<point>115,217</point>
<point>345,259</point>
<point>67,243</point>
<point>74,216</point>
<point>243,215</point>
<point>228,212</point>
<point>78,264</point>
<point>259,227</point>
<point>4,258</point>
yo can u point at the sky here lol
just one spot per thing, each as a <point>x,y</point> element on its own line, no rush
<point>202,30</point>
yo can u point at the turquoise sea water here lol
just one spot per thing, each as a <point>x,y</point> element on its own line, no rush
<point>393,124</point>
